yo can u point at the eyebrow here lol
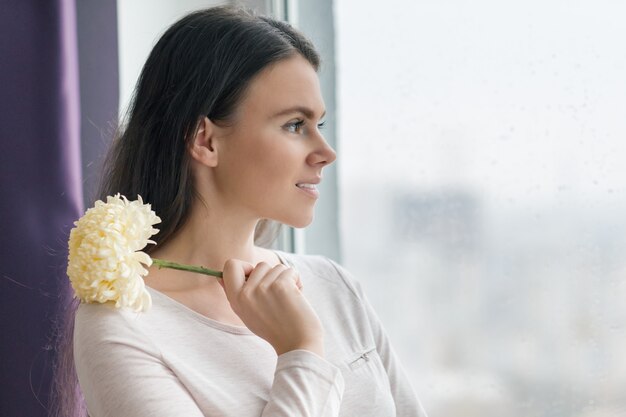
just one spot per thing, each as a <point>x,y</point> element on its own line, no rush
<point>299,109</point>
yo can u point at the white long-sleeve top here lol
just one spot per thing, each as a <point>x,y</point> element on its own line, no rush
<point>172,361</point>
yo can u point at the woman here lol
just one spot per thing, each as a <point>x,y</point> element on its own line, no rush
<point>223,136</point>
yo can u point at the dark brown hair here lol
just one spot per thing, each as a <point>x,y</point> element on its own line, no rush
<point>201,66</point>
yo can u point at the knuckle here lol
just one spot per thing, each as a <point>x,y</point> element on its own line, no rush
<point>281,283</point>
<point>290,274</point>
<point>264,286</point>
<point>245,294</point>
<point>229,266</point>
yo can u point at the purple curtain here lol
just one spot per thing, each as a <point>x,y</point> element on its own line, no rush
<point>40,190</point>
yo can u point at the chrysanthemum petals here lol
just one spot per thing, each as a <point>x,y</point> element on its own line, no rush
<point>105,259</point>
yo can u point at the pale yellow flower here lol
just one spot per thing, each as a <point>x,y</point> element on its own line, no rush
<point>106,262</point>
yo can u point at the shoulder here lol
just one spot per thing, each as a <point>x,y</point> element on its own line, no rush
<point>99,318</point>
<point>97,326</point>
<point>103,318</point>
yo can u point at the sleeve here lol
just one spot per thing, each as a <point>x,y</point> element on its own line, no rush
<point>120,373</point>
<point>305,385</point>
<point>406,401</point>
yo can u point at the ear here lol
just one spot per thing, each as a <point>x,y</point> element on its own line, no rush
<point>203,147</point>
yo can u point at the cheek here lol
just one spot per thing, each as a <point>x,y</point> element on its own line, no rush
<point>269,172</point>
<point>263,159</point>
<point>265,165</point>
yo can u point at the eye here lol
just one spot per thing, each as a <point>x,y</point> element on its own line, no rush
<point>321,125</point>
<point>295,127</point>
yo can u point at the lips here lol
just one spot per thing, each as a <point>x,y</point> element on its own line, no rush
<point>309,189</point>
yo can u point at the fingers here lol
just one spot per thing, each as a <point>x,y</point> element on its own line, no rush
<point>235,272</point>
<point>262,277</point>
<point>258,274</point>
<point>279,275</point>
<point>270,304</point>
<point>298,281</point>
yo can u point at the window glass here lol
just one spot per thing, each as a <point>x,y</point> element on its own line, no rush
<point>482,186</point>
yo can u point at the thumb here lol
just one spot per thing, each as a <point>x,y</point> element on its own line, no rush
<point>234,275</point>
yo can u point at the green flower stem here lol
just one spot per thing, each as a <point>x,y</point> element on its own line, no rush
<point>191,268</point>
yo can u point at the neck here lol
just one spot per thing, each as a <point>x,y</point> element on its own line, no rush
<point>209,239</point>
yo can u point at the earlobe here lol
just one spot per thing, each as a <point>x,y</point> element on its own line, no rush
<point>202,147</point>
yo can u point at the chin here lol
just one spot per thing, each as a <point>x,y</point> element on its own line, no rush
<point>297,219</point>
<point>302,225</point>
<point>299,222</point>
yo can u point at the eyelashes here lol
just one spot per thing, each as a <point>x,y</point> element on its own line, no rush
<point>296,126</point>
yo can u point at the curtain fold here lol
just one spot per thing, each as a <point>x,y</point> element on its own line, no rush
<point>40,190</point>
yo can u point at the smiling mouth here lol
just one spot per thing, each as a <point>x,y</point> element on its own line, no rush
<point>307,186</point>
<point>309,189</point>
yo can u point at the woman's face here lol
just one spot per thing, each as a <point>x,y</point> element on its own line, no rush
<point>274,144</point>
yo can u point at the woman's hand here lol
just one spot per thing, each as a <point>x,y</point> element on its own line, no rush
<point>271,305</point>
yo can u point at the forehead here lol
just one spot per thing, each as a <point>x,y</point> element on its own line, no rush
<point>288,83</point>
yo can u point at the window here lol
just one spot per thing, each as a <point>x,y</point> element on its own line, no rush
<point>483,195</point>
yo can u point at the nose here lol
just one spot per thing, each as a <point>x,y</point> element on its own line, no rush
<point>324,154</point>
